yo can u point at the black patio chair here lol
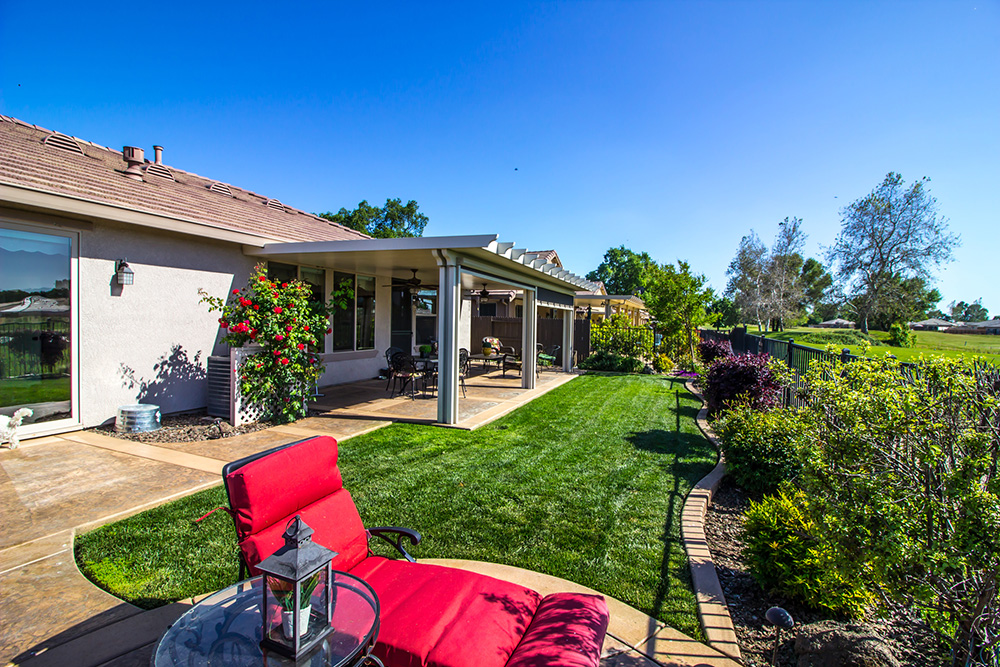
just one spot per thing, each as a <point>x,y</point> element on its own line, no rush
<point>405,372</point>
<point>389,354</point>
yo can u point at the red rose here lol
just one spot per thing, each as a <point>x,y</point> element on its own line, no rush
<point>277,352</point>
<point>223,323</point>
<point>277,310</point>
<point>256,307</point>
<point>279,337</point>
<point>301,346</point>
<point>329,330</point>
<point>312,360</point>
<point>236,291</point>
<point>261,278</point>
<point>284,284</point>
<point>288,328</point>
<point>305,328</point>
<point>284,361</point>
<point>287,400</point>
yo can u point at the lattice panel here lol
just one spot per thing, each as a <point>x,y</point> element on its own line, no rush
<point>241,412</point>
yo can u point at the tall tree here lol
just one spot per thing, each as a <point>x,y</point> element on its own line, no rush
<point>892,232</point>
<point>784,267</point>
<point>968,312</point>
<point>679,300</point>
<point>390,221</point>
<point>624,271</point>
<point>817,297</point>
<point>747,279</point>
<point>904,300</point>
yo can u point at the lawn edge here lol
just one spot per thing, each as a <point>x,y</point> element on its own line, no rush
<point>713,612</point>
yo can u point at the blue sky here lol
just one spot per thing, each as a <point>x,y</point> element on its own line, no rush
<point>669,127</point>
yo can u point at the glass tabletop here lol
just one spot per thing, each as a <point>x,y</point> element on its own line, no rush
<point>225,629</point>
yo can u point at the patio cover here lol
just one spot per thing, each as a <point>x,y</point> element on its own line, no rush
<point>456,264</point>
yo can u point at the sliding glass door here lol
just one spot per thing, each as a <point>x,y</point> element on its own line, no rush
<point>37,365</point>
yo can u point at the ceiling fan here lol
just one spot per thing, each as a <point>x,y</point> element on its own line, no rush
<point>484,293</point>
<point>413,283</point>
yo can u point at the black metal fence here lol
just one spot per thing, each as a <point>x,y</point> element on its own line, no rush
<point>630,341</point>
<point>798,357</point>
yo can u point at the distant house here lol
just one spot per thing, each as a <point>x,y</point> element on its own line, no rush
<point>597,304</point>
<point>932,324</point>
<point>838,323</point>
<point>103,252</point>
<point>989,327</point>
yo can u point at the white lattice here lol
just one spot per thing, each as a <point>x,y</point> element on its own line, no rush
<point>239,411</point>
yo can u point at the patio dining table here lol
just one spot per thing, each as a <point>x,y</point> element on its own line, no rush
<point>488,358</point>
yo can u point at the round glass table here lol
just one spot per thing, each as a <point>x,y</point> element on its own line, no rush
<point>225,629</point>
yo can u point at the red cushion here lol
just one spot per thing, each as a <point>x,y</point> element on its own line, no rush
<point>567,630</point>
<point>336,525</point>
<point>266,490</point>
<point>436,616</point>
<point>302,479</point>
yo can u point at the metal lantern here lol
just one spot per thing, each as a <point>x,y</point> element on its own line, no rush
<point>297,602</point>
<point>123,274</point>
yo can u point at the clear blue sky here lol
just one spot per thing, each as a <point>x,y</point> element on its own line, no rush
<point>669,127</point>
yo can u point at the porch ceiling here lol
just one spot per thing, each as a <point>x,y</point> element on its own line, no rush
<point>397,258</point>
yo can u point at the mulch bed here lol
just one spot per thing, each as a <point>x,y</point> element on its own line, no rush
<point>188,427</point>
<point>910,639</point>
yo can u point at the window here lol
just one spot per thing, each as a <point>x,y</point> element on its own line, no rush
<point>354,326</point>
<point>487,310</point>
<point>425,305</point>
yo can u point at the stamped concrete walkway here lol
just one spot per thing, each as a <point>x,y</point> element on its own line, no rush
<point>51,488</point>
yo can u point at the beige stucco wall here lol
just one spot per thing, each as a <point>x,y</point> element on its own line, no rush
<point>149,342</point>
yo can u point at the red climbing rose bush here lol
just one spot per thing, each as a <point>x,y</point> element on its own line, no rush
<point>288,325</point>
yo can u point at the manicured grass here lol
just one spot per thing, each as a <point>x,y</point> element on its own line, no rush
<point>22,392</point>
<point>929,343</point>
<point>585,483</point>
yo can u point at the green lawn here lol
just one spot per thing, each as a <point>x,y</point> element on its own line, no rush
<point>928,343</point>
<point>22,392</point>
<point>585,483</point>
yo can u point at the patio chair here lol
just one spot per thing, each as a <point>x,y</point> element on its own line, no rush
<point>389,354</point>
<point>405,372</point>
<point>547,357</point>
<point>429,614</point>
<point>463,367</point>
<point>512,362</point>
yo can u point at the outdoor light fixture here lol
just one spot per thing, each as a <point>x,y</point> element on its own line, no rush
<point>123,274</point>
<point>297,601</point>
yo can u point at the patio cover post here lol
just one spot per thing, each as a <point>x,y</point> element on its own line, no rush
<point>449,303</point>
<point>567,340</point>
<point>529,334</point>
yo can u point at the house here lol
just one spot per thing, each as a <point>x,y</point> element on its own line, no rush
<point>932,324</point>
<point>988,327</point>
<point>596,304</point>
<point>103,253</point>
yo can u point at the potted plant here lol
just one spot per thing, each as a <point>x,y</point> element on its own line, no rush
<point>425,351</point>
<point>285,596</point>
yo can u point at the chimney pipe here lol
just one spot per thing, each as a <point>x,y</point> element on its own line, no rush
<point>159,154</point>
<point>134,157</point>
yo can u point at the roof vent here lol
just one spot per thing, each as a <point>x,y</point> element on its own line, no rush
<point>276,205</point>
<point>158,169</point>
<point>134,157</point>
<point>159,154</point>
<point>62,141</point>
<point>221,188</point>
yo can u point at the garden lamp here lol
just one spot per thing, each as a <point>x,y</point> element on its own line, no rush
<point>780,619</point>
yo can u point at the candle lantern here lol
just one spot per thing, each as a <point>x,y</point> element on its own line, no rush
<point>297,601</point>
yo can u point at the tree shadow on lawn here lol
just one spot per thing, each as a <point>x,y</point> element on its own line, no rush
<point>692,461</point>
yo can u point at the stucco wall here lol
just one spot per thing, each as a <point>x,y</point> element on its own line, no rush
<point>149,342</point>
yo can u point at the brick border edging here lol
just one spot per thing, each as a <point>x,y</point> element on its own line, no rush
<point>712,610</point>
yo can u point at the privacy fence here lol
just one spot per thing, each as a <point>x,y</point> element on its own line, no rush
<point>550,331</point>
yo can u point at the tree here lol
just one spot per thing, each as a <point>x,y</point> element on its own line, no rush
<point>391,221</point>
<point>894,231</point>
<point>679,300</point>
<point>903,300</point>
<point>624,271</point>
<point>784,272</point>
<point>747,278</point>
<point>968,312</point>
<point>725,310</point>
<point>817,297</point>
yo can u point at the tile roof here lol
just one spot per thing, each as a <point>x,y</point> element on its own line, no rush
<point>96,175</point>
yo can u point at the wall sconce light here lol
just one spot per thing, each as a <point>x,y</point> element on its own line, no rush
<point>123,273</point>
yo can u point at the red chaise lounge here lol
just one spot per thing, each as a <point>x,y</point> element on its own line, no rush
<point>431,616</point>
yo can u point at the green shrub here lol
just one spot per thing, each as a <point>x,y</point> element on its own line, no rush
<point>839,337</point>
<point>763,449</point>
<point>901,336</point>
<point>785,556</point>
<point>608,361</point>
<point>662,363</point>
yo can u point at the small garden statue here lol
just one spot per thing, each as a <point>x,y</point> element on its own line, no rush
<point>9,426</point>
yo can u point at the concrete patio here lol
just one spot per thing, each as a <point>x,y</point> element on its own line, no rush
<point>53,488</point>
